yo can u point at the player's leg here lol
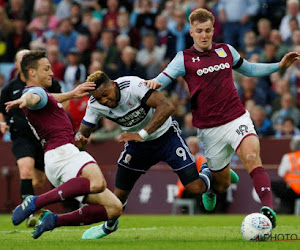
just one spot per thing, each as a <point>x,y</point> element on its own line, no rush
<point>103,206</point>
<point>249,154</point>
<point>64,165</point>
<point>125,180</point>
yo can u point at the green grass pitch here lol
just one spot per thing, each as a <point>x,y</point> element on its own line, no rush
<point>153,232</point>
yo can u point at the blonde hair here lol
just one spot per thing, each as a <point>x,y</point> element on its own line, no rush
<point>99,78</point>
<point>201,15</point>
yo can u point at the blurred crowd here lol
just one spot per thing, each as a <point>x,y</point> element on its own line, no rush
<point>140,37</point>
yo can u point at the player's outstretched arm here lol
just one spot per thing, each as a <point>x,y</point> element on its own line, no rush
<point>288,60</point>
<point>79,92</point>
<point>26,100</point>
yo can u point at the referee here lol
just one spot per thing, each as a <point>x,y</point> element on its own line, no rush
<point>25,146</point>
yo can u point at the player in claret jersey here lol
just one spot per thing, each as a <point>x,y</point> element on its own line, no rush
<point>73,173</point>
<point>224,124</point>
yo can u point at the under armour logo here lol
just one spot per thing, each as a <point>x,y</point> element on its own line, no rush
<point>194,59</point>
<point>265,188</point>
<point>60,194</point>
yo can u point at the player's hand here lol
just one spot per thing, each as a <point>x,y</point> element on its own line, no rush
<point>125,137</point>
<point>83,89</point>
<point>289,59</point>
<point>3,127</point>
<point>153,84</point>
<point>80,140</point>
<point>19,103</point>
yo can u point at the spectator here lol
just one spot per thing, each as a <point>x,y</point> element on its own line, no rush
<point>264,31</point>
<point>66,36</point>
<point>288,188</point>
<point>292,7</point>
<point>18,8</point>
<point>17,40</point>
<point>124,28</point>
<point>75,109</point>
<point>280,86</point>
<point>57,66</point>
<point>294,25</point>
<point>262,123</point>
<point>251,47</point>
<point>63,9</point>
<point>94,28</point>
<point>82,44</point>
<point>145,17</point>
<point>45,23</point>
<point>110,16</point>
<point>248,91</point>
<point>288,109</point>
<point>151,56</point>
<point>237,18</point>
<point>75,71</point>
<point>107,45</point>
<point>287,129</point>
<point>282,48</point>
<point>162,30</point>
<point>179,38</point>
<point>128,65</point>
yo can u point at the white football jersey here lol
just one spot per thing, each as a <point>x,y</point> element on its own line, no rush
<point>132,113</point>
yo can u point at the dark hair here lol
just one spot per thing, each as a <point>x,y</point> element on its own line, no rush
<point>30,60</point>
<point>99,78</point>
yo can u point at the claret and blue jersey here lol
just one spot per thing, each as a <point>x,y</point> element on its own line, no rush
<point>214,99</point>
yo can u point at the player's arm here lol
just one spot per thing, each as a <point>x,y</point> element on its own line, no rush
<point>174,69</point>
<point>32,98</point>
<point>87,125</point>
<point>261,69</point>
<point>79,92</point>
<point>163,110</point>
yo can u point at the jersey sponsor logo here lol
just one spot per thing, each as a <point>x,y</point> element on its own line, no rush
<point>243,129</point>
<point>211,69</point>
<point>133,117</point>
<point>221,52</point>
<point>195,59</point>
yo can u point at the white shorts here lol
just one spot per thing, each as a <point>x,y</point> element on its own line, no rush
<point>219,143</point>
<point>64,163</point>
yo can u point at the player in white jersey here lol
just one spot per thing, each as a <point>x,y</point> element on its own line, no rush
<point>150,137</point>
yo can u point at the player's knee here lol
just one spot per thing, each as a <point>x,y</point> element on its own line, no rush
<point>222,187</point>
<point>26,172</point>
<point>98,186</point>
<point>251,157</point>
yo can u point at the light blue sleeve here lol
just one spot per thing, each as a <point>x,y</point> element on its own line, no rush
<point>42,93</point>
<point>174,69</point>
<point>253,69</point>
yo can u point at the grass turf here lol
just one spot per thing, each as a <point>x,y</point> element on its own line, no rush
<point>153,232</point>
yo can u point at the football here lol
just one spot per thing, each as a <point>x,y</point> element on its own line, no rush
<point>256,227</point>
